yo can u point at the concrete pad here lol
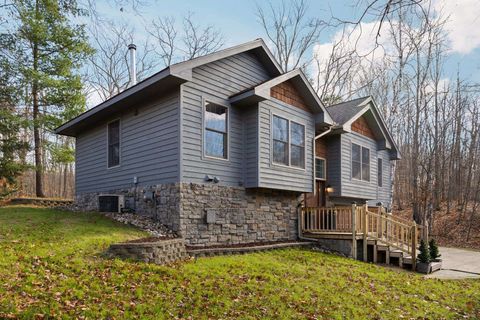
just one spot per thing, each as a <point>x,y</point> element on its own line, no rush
<point>458,264</point>
<point>451,274</point>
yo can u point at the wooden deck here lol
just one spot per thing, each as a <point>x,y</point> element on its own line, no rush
<point>388,235</point>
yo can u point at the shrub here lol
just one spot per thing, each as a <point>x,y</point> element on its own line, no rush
<point>424,255</point>
<point>433,250</point>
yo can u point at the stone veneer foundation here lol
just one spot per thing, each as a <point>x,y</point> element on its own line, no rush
<point>210,214</point>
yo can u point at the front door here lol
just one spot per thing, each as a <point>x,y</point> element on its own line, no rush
<point>317,199</point>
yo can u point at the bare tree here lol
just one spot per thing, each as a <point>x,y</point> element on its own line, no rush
<point>178,43</point>
<point>290,32</point>
<point>108,72</point>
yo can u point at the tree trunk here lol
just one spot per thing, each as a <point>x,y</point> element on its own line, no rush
<point>36,126</point>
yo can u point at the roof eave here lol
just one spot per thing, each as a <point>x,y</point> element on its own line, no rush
<point>70,128</point>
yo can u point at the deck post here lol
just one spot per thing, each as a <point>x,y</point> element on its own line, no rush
<point>354,236</point>
<point>414,246</point>
<point>365,233</point>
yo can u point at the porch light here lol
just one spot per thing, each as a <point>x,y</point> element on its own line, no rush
<point>329,189</point>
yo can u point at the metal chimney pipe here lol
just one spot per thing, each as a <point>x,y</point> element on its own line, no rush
<point>133,64</point>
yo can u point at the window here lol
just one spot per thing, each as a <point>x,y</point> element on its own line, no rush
<point>215,140</point>
<point>360,162</point>
<point>114,143</point>
<point>288,140</point>
<point>380,172</point>
<point>365,164</point>
<point>280,140</point>
<point>297,145</point>
<point>320,169</point>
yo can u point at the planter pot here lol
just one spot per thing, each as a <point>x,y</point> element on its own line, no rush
<point>435,266</point>
<point>423,267</point>
<point>430,267</point>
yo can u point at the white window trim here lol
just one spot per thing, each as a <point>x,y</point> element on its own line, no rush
<point>361,162</point>
<point>289,166</point>
<point>204,130</point>
<point>324,169</point>
<point>119,143</point>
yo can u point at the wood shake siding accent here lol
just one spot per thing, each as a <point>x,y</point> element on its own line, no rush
<point>321,148</point>
<point>287,93</point>
<point>361,126</point>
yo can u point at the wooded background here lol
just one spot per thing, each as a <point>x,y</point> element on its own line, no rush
<point>434,119</point>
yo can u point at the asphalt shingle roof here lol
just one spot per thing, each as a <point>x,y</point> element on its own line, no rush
<point>342,112</point>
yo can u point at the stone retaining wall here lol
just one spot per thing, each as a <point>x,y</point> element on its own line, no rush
<point>160,252</point>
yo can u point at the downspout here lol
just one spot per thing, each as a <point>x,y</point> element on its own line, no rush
<point>300,236</point>
<point>315,153</point>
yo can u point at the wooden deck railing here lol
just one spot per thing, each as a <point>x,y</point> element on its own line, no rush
<point>361,221</point>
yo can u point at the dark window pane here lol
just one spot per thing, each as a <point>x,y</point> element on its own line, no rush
<point>365,164</point>
<point>356,171</point>
<point>380,172</point>
<point>114,132</point>
<point>297,156</point>
<point>280,129</point>
<point>215,144</point>
<point>356,152</point>
<point>365,172</point>
<point>113,144</point>
<point>216,117</point>
<point>320,168</point>
<point>365,156</point>
<point>114,155</point>
<point>298,134</point>
<point>280,152</point>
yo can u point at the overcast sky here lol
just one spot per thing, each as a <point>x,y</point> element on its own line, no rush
<point>238,22</point>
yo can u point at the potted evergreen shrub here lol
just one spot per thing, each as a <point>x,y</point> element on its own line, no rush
<point>428,260</point>
<point>435,261</point>
<point>423,258</point>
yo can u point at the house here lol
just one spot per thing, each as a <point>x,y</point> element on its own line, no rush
<point>226,147</point>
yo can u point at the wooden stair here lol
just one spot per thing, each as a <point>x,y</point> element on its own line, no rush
<point>403,257</point>
<point>391,237</point>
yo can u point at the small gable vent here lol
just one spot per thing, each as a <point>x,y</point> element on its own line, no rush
<point>111,203</point>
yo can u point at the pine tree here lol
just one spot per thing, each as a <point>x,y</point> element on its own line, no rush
<point>433,249</point>
<point>48,51</point>
<point>11,146</point>
<point>424,255</point>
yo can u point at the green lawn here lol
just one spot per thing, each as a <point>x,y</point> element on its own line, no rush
<point>51,265</point>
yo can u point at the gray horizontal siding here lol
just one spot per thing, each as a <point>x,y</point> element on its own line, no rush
<point>352,187</point>
<point>149,149</point>
<point>216,82</point>
<point>250,146</point>
<point>367,190</point>
<point>384,193</point>
<point>276,176</point>
<point>334,160</point>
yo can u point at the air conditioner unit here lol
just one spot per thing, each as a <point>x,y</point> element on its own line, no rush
<point>111,203</point>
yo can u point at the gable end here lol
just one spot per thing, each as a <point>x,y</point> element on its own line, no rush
<point>361,126</point>
<point>287,93</point>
